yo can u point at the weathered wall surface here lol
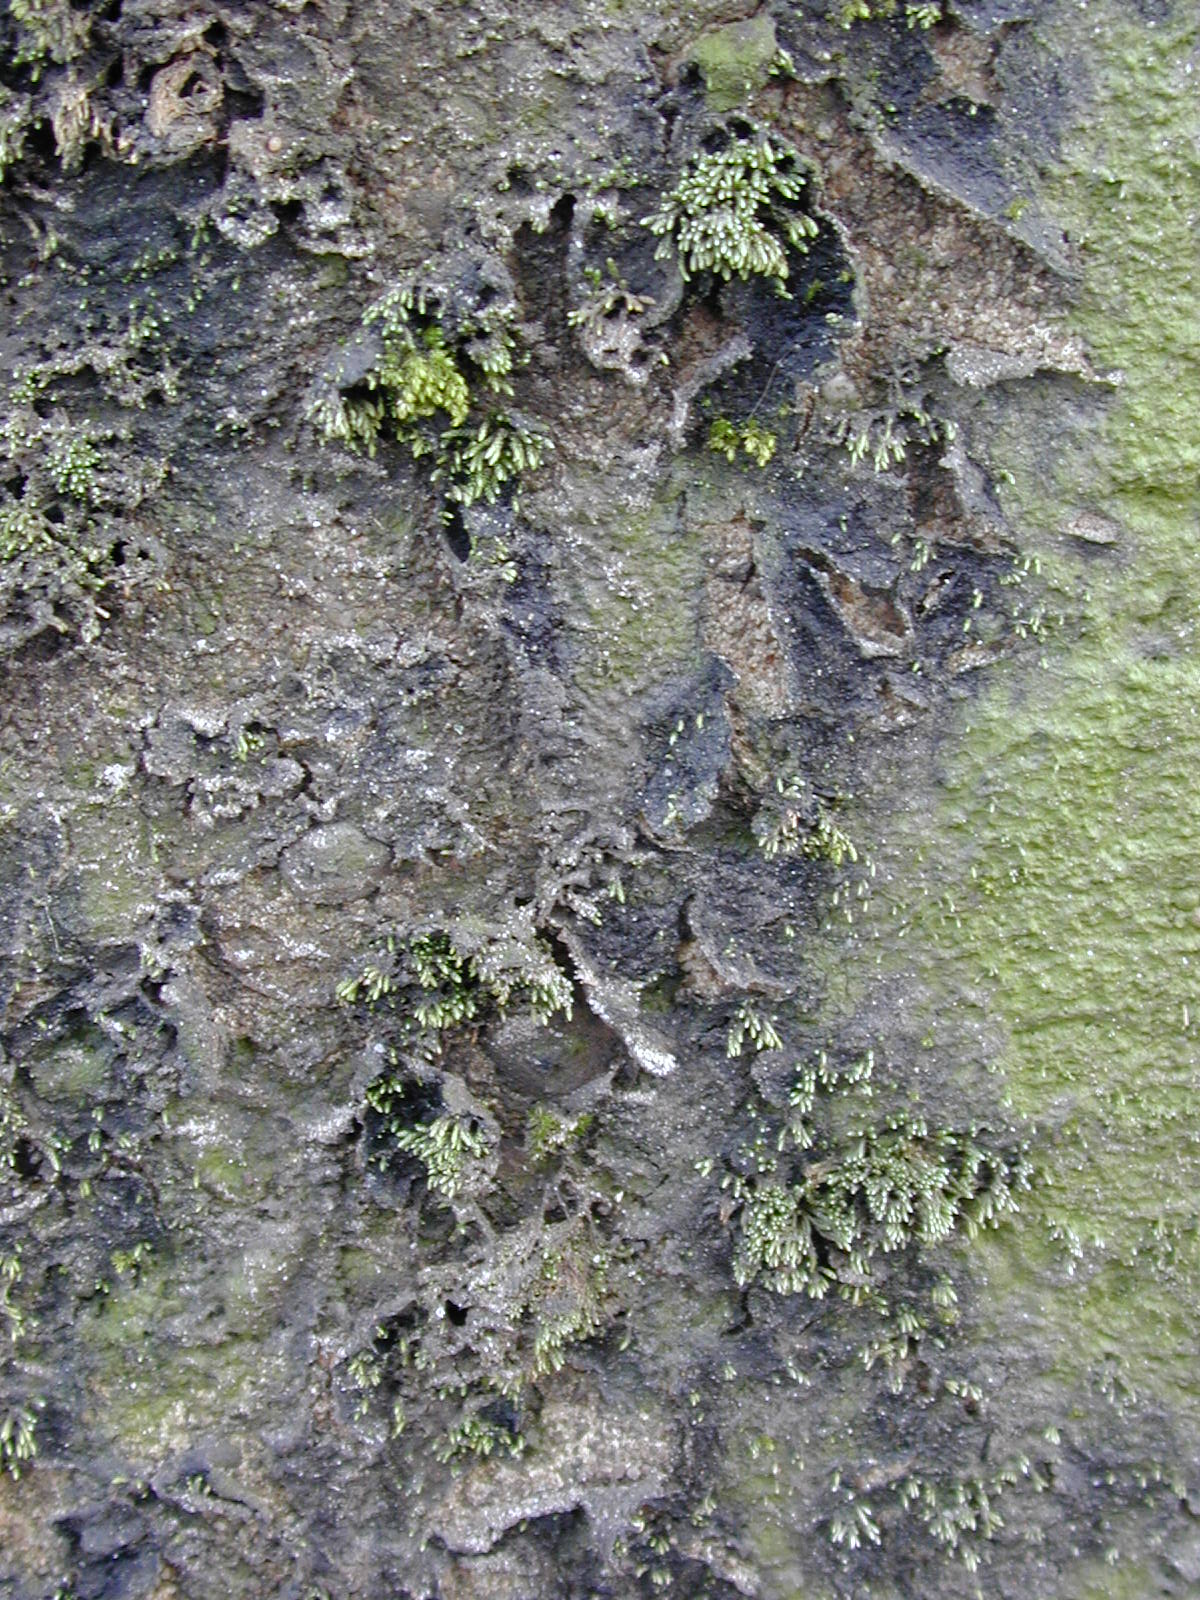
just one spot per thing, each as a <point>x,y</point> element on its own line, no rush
<point>598,841</point>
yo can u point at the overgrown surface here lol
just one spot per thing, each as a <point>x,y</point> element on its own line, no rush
<point>595,789</point>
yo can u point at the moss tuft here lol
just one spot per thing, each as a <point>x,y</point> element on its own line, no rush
<point>433,386</point>
<point>734,212</point>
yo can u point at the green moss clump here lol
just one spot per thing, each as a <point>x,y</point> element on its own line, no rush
<point>430,387</point>
<point>733,213</point>
<point>48,30</point>
<point>15,117</point>
<point>434,986</point>
<point>419,378</point>
<point>18,1439</point>
<point>56,530</point>
<point>477,462</point>
<point>565,1302</point>
<point>726,438</point>
<point>477,1436</point>
<point>436,983</point>
<point>447,1147</point>
<point>885,434</point>
<point>749,1023</point>
<point>917,13</point>
<point>791,822</point>
<point>880,1190</point>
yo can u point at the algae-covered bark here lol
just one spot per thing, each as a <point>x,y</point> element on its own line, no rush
<point>597,893</point>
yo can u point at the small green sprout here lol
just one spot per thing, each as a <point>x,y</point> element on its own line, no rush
<point>447,1146</point>
<point>747,1022</point>
<point>246,743</point>
<point>18,1441</point>
<point>726,438</point>
<point>477,1436</point>
<point>129,1263</point>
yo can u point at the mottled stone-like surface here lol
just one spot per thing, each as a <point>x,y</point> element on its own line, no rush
<point>888,743</point>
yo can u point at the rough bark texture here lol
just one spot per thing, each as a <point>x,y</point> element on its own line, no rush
<point>598,860</point>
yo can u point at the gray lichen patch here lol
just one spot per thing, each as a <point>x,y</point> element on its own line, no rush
<point>334,863</point>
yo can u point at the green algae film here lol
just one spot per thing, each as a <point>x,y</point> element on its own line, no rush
<point>1055,889</point>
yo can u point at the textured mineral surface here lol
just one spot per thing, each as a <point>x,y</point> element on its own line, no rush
<point>599,842</point>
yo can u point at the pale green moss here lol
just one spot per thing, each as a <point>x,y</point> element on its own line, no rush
<point>48,30</point>
<point>884,1189</point>
<point>18,1439</point>
<point>734,212</point>
<point>916,13</point>
<point>431,387</point>
<point>455,983</point>
<point>14,127</point>
<point>477,1436</point>
<point>478,462</point>
<point>448,1147</point>
<point>727,438</point>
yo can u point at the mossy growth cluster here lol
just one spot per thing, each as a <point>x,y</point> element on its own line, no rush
<point>750,438</point>
<point>446,1147</point>
<point>15,116</point>
<point>817,1207</point>
<point>38,37</point>
<point>735,212</point>
<point>454,1385</point>
<point>885,434</point>
<point>916,13</point>
<point>434,983</point>
<point>18,1421</point>
<point>48,30</point>
<point>791,820</point>
<point>433,986</point>
<point>958,1514</point>
<point>77,468</point>
<point>438,384</point>
<point>57,518</point>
